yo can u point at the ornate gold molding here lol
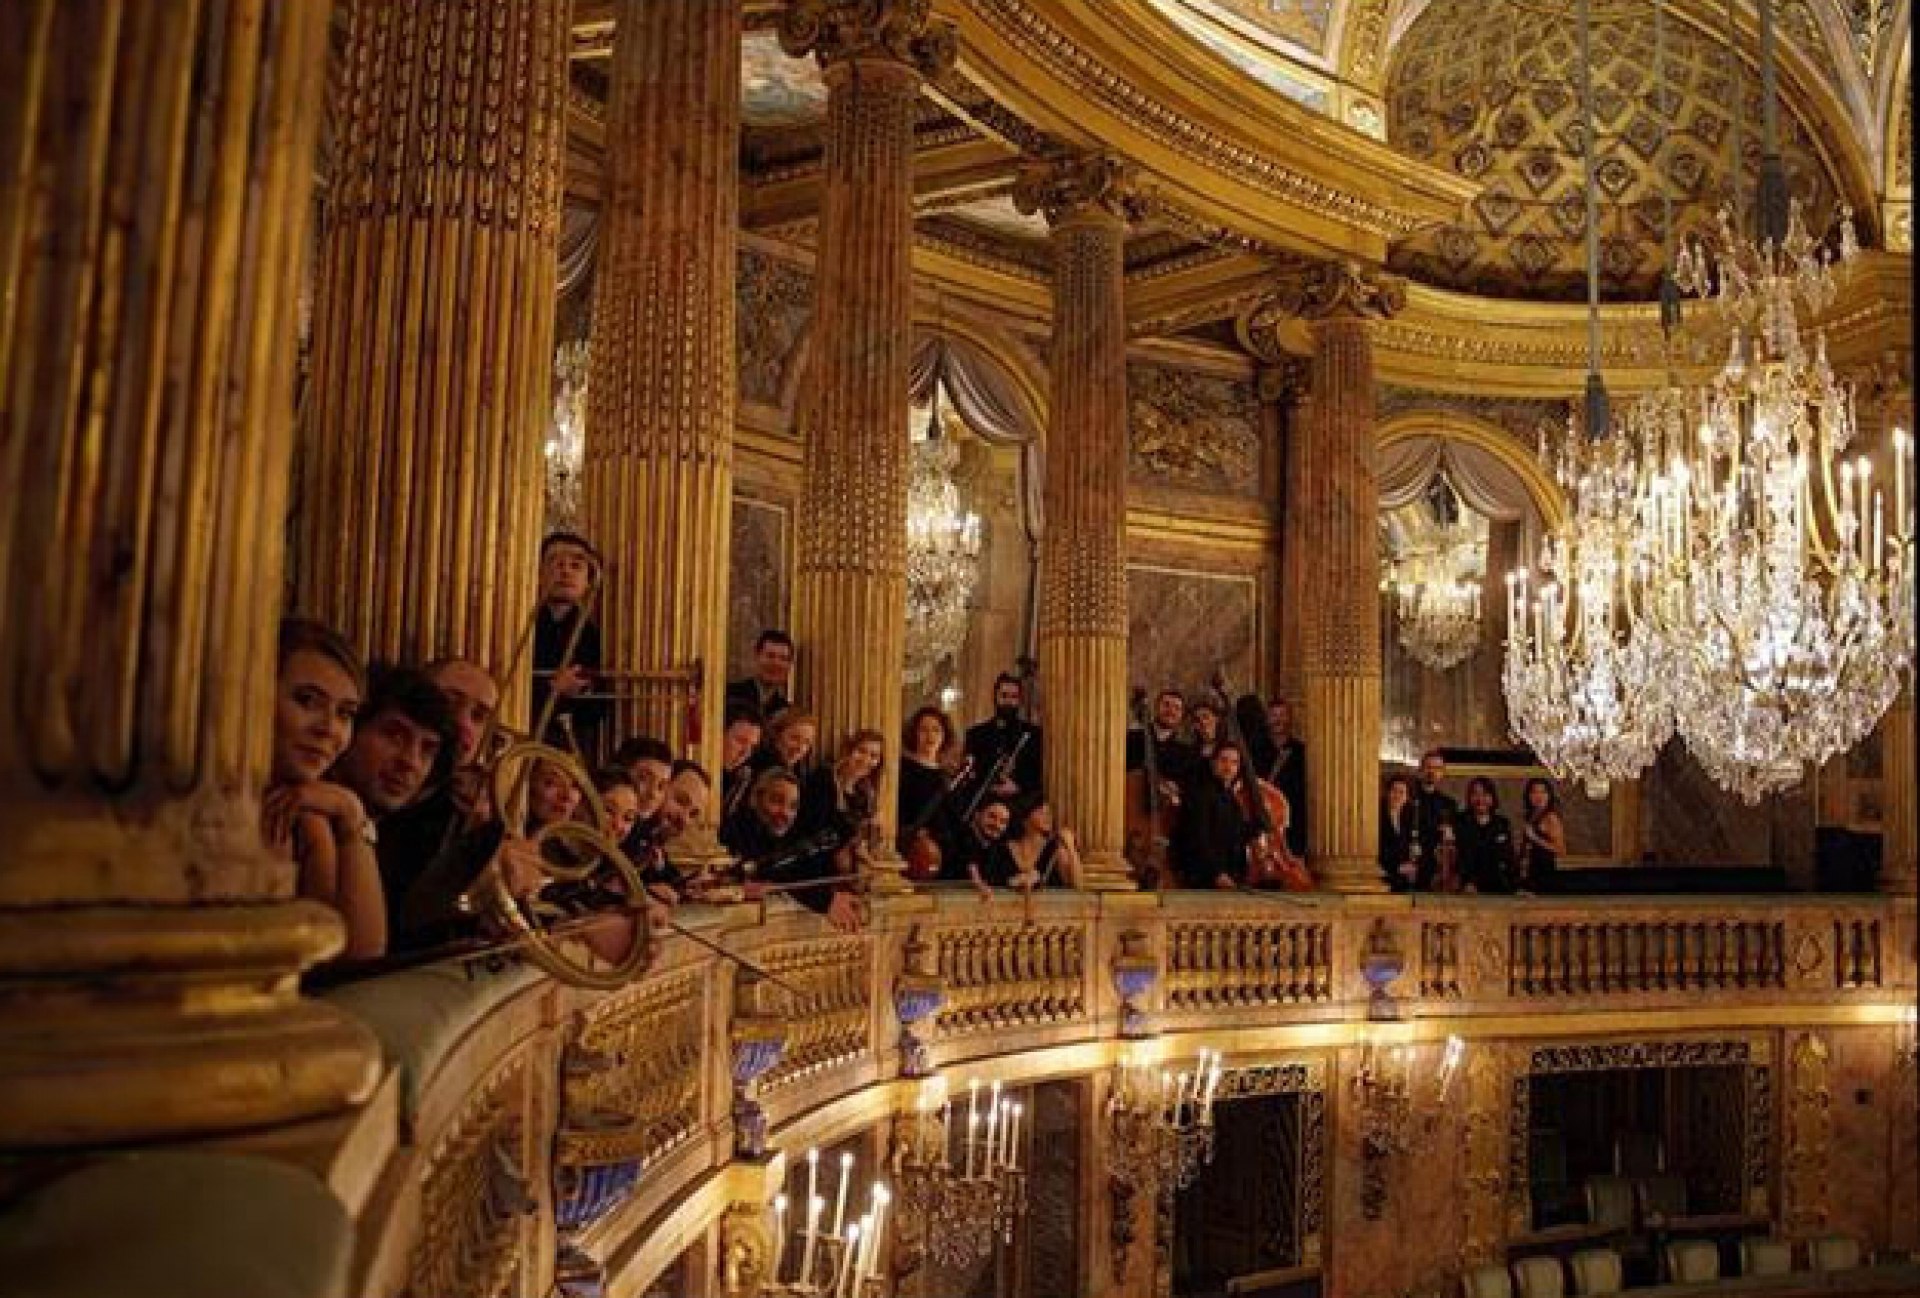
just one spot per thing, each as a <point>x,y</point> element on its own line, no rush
<point>841,31</point>
<point>1808,1137</point>
<point>1333,290</point>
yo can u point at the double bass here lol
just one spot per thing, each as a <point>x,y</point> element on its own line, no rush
<point>1269,864</point>
<point>1149,816</point>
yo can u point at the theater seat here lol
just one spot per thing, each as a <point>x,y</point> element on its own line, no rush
<point>1610,1202</point>
<point>1834,1253</point>
<point>1596,1271</point>
<point>1765,1257</point>
<point>1693,1261</point>
<point>1490,1281</point>
<point>1540,1277</point>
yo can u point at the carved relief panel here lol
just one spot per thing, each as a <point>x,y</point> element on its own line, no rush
<point>1199,432</point>
<point>1182,625</point>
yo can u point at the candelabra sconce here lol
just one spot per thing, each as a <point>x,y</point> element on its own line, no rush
<point>1134,973</point>
<point>784,1250</point>
<point>1159,1129</point>
<point>1381,962</point>
<point>1389,1124</point>
<point>917,997</point>
<point>961,1185</point>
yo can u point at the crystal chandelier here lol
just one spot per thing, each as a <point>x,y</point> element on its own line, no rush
<point>1436,600</point>
<point>566,445</point>
<point>943,552</point>
<point>1584,671</point>
<point>1791,603</point>
<point>822,1254</point>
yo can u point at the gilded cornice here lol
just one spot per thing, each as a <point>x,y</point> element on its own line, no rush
<point>946,160</point>
<point>1295,179</point>
<point>842,31</point>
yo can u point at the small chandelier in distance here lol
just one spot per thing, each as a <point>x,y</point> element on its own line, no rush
<point>943,552</point>
<point>1436,598</point>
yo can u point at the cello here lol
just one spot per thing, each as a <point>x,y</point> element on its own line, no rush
<point>1148,827</point>
<point>923,854</point>
<point>1269,864</point>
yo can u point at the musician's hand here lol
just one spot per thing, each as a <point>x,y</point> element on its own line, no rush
<point>663,894</point>
<point>1170,792</point>
<point>982,891</point>
<point>843,912</point>
<point>1068,841</point>
<point>1224,882</point>
<point>1408,870</point>
<point>472,796</point>
<point>754,891</point>
<point>520,870</point>
<point>570,681</point>
<point>1026,881</point>
<point>658,916</point>
<point>333,803</point>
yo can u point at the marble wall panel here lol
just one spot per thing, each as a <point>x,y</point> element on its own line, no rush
<point>760,577</point>
<point>1686,819</point>
<point>1868,1091</point>
<point>1182,626</point>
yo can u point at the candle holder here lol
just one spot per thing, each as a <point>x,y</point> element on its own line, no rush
<point>959,1174</point>
<point>815,1248</point>
<point>1159,1130</point>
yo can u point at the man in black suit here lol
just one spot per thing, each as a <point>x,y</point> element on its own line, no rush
<point>765,692</point>
<point>995,738</point>
<point>567,567</point>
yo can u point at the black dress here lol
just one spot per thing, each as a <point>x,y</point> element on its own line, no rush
<point>1543,867</point>
<point>922,788</point>
<point>1212,835</point>
<point>1398,845</point>
<point>1486,853</point>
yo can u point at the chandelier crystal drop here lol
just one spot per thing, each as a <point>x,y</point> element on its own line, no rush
<point>1436,605</point>
<point>943,554</point>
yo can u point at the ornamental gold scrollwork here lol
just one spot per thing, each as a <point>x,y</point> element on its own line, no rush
<point>476,1196</point>
<point>1080,184</point>
<point>1807,1155</point>
<point>1338,290</point>
<point>902,31</point>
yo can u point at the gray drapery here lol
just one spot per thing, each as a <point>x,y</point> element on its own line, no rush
<point>992,405</point>
<point>1483,483</point>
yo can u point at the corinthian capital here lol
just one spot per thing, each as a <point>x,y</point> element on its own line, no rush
<point>903,31</point>
<point>1079,185</point>
<point>1337,290</point>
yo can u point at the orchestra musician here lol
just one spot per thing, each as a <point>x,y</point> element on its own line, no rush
<point>1035,852</point>
<point>922,810</point>
<point>567,567</point>
<point>1005,749</point>
<point>738,740</point>
<point>1215,828</point>
<point>765,692</point>
<point>765,836</point>
<point>1434,814</point>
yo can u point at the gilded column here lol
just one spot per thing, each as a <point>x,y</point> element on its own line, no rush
<point>1287,381</point>
<point>155,169</point>
<point>659,461</point>
<point>1088,201</point>
<point>429,395</point>
<point>850,592</point>
<point>1334,558</point>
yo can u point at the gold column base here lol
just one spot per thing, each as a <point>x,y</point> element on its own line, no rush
<point>1349,874</point>
<point>887,876</point>
<point>129,1024</point>
<point>1106,872</point>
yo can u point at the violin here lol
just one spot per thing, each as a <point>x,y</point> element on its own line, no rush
<point>923,855</point>
<point>1269,864</point>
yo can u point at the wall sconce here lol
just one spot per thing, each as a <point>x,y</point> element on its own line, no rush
<point>962,1186</point>
<point>1159,1131</point>
<point>1384,1090</point>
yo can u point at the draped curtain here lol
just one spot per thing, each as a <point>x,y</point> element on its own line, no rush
<point>1483,483</point>
<point>992,404</point>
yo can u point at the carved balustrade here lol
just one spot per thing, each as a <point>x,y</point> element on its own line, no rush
<point>534,1132</point>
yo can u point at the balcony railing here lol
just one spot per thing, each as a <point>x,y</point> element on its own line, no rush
<point>631,1105</point>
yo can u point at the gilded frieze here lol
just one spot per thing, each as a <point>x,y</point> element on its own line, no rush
<point>1808,1139</point>
<point>1196,431</point>
<point>1527,418</point>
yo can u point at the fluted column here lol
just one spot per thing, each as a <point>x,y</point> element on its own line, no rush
<point>155,169</point>
<point>1333,489</point>
<point>429,396</point>
<point>850,593</point>
<point>659,462</point>
<point>1286,380</point>
<point>1083,564</point>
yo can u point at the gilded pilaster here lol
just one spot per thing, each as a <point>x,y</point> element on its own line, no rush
<point>850,592</point>
<point>659,461</point>
<point>429,396</point>
<point>1287,382</point>
<point>1333,555</point>
<point>155,170</point>
<point>1083,570</point>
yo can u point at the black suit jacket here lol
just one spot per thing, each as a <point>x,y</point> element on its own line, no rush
<point>988,741</point>
<point>746,693</point>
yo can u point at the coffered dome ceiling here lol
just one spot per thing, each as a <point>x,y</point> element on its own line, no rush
<point>1490,90</point>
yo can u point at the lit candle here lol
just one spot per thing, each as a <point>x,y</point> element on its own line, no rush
<point>1213,1083</point>
<point>973,1093</point>
<point>1006,1132</point>
<point>973,1130</point>
<point>846,1261</point>
<point>1879,529</point>
<point>1013,1135</point>
<point>860,1260</point>
<point>993,1125</point>
<point>815,1206</point>
<point>840,1197</point>
<point>779,1234</point>
<point>813,1174</point>
<point>881,1198</point>
<point>1902,458</point>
